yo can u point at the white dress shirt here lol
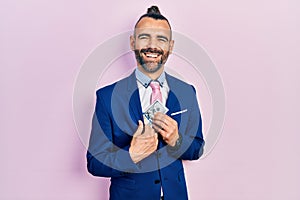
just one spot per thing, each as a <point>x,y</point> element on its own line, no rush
<point>143,83</point>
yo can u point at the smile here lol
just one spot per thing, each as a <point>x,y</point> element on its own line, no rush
<point>151,55</point>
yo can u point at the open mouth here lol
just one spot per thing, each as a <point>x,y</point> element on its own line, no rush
<point>151,55</point>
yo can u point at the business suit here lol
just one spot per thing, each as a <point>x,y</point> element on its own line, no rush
<point>117,112</point>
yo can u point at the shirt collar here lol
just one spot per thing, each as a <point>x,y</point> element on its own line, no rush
<point>145,80</point>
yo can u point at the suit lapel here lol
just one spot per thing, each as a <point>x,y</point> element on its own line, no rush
<point>172,102</point>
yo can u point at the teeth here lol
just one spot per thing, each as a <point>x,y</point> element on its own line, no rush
<point>151,55</point>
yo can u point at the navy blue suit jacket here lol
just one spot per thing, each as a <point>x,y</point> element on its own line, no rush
<point>117,112</point>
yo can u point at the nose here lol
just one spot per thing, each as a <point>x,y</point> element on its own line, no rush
<point>152,43</point>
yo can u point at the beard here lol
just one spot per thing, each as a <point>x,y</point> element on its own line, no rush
<point>151,66</point>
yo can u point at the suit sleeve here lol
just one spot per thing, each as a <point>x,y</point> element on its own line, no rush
<point>104,158</point>
<point>192,144</point>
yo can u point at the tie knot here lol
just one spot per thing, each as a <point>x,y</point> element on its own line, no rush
<point>155,85</point>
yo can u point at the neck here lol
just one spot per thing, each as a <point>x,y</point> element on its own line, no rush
<point>154,75</point>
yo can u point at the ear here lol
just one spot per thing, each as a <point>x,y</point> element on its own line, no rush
<point>171,46</point>
<point>132,43</point>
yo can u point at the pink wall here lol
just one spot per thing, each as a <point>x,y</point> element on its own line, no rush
<point>255,46</point>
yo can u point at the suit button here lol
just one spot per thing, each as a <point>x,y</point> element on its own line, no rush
<point>157,181</point>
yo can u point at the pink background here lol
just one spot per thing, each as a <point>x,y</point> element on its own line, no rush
<point>254,44</point>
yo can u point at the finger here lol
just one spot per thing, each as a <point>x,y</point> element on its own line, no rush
<point>161,120</point>
<point>154,138</point>
<point>140,128</point>
<point>158,116</point>
<point>152,145</point>
<point>156,127</point>
<point>149,131</point>
<point>165,118</point>
<point>147,146</point>
<point>160,130</point>
<point>148,137</point>
<point>160,126</point>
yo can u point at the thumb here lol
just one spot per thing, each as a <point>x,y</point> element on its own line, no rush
<point>140,128</point>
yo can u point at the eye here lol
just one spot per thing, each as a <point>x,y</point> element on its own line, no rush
<point>162,39</point>
<point>143,37</point>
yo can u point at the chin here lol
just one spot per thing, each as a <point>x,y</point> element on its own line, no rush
<point>152,68</point>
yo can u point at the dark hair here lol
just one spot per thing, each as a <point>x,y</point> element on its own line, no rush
<point>154,13</point>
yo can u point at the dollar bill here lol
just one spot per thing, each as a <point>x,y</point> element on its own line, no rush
<point>157,106</point>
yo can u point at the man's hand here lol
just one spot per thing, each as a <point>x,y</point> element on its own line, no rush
<point>166,127</point>
<point>143,143</point>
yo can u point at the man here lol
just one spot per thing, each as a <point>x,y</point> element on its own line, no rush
<point>142,153</point>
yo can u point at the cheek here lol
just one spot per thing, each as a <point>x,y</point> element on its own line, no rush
<point>166,51</point>
<point>164,46</point>
<point>166,54</point>
<point>141,45</point>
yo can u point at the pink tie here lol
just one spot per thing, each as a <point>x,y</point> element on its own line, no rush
<point>156,94</point>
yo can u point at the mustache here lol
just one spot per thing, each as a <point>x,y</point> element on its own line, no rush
<point>152,50</point>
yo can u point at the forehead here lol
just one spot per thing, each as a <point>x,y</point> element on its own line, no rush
<point>151,25</point>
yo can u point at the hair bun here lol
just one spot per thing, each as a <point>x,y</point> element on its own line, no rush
<point>153,10</point>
